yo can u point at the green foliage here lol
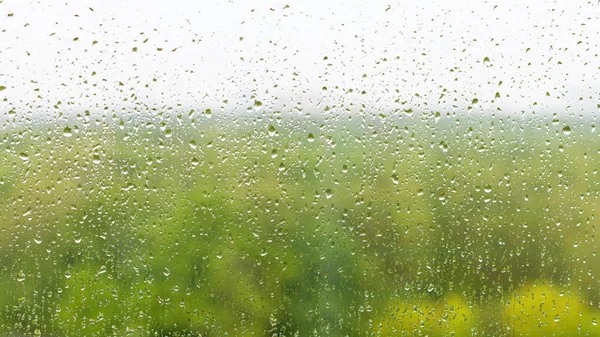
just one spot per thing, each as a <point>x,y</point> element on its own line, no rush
<point>396,226</point>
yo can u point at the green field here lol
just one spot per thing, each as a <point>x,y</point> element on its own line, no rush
<point>195,224</point>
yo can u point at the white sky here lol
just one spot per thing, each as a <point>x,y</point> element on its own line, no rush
<point>280,59</point>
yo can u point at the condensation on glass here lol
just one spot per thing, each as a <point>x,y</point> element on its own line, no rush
<point>187,168</point>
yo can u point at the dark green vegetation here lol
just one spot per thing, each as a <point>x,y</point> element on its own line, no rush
<point>311,226</point>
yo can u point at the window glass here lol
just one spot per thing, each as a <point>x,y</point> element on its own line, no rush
<point>212,168</point>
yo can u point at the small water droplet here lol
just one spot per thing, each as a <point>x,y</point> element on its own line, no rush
<point>567,130</point>
<point>257,105</point>
<point>102,270</point>
<point>67,132</point>
<point>328,193</point>
<point>311,137</point>
<point>20,276</point>
<point>96,159</point>
<point>166,272</point>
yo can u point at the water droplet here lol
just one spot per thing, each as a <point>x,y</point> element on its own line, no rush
<point>166,272</point>
<point>272,130</point>
<point>101,271</point>
<point>67,132</point>
<point>20,276</point>
<point>68,274</point>
<point>311,137</point>
<point>328,193</point>
<point>257,105</point>
<point>567,130</point>
<point>395,178</point>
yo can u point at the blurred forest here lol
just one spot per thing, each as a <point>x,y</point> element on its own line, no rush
<point>195,224</point>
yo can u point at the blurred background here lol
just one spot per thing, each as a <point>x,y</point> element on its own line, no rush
<point>323,169</point>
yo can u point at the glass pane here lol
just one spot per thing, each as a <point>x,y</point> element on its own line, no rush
<point>218,168</point>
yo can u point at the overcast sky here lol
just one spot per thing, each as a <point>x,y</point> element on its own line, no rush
<point>93,54</point>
